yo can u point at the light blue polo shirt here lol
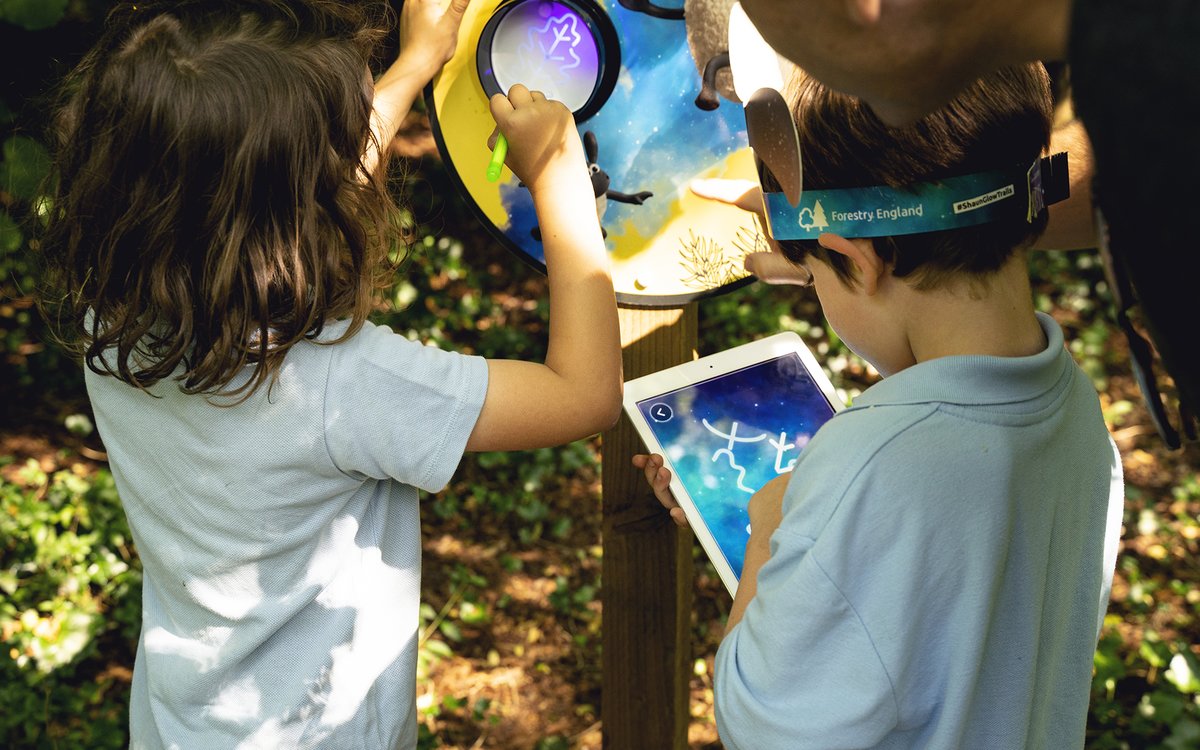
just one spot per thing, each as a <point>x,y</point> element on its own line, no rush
<point>281,542</point>
<point>941,570</point>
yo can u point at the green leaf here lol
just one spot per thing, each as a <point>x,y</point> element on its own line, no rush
<point>33,14</point>
<point>1184,736</point>
<point>437,648</point>
<point>10,234</point>
<point>1156,653</point>
<point>25,166</point>
<point>450,630</point>
<point>473,614</point>
<point>79,424</point>
<point>1184,672</point>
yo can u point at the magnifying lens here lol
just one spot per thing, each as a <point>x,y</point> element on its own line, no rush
<point>567,49</point>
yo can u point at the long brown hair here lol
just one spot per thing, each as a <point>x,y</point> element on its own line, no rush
<point>212,208</point>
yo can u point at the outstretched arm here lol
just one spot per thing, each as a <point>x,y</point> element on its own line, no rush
<point>576,392</point>
<point>428,37</point>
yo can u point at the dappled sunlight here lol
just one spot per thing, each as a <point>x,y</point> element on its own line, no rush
<point>204,653</point>
<point>239,702</point>
<point>529,589</point>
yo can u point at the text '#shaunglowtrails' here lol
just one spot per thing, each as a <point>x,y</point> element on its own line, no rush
<point>982,200</point>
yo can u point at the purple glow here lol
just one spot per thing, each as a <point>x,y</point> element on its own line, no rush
<point>546,46</point>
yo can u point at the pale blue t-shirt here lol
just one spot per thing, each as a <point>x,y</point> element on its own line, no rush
<point>942,567</point>
<point>281,542</point>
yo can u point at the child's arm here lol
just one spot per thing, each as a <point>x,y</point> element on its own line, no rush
<point>577,391</point>
<point>766,513</point>
<point>428,37</point>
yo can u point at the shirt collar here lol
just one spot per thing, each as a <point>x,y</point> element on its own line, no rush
<point>976,379</point>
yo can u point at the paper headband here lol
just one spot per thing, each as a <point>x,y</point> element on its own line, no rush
<point>1020,192</point>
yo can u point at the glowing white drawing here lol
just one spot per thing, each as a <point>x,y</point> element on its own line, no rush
<point>728,450</point>
<point>555,41</point>
<point>781,446</point>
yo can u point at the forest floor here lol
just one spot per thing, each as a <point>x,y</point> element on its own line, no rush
<point>514,606</point>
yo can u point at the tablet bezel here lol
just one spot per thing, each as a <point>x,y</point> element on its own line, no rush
<point>697,371</point>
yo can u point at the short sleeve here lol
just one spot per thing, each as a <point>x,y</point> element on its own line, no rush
<point>800,670</point>
<point>398,409</point>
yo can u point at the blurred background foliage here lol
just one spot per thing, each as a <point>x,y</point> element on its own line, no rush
<point>511,620</point>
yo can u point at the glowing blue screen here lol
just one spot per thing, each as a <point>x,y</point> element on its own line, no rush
<point>728,436</point>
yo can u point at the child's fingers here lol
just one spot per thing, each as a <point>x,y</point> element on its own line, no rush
<point>519,95</point>
<point>457,8</point>
<point>641,459</point>
<point>537,96</point>
<point>652,468</point>
<point>659,480</point>
<point>500,106</point>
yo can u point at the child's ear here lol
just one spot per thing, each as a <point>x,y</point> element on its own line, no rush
<point>864,12</point>
<point>862,254</point>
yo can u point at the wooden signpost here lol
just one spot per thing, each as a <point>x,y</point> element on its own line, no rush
<point>669,248</point>
<point>646,582</point>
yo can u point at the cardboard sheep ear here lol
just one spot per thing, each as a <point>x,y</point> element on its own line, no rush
<point>758,76</point>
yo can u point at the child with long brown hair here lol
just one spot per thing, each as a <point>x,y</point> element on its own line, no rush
<point>220,223</point>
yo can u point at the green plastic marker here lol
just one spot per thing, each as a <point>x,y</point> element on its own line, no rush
<point>498,154</point>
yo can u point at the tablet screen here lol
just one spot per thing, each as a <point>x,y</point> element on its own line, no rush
<point>728,436</point>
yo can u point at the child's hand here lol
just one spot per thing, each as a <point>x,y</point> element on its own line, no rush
<point>543,144</point>
<point>429,34</point>
<point>659,478</point>
<point>770,267</point>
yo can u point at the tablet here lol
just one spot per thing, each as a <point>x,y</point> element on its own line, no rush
<point>725,425</point>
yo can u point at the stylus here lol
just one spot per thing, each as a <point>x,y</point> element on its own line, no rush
<point>498,154</point>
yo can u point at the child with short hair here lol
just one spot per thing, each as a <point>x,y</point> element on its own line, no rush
<point>220,222</point>
<point>934,570</point>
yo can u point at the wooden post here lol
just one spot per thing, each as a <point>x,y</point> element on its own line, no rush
<point>646,583</point>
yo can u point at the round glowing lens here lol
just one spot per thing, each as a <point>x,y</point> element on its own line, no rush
<point>566,50</point>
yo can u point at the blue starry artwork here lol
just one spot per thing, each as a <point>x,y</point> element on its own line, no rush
<point>727,437</point>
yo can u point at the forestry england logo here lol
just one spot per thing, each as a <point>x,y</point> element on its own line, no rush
<point>813,218</point>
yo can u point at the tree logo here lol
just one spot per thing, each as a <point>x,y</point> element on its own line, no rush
<point>813,218</point>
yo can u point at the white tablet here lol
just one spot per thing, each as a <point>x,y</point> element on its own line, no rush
<point>725,425</point>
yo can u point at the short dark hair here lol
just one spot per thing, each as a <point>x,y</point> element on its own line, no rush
<point>1000,121</point>
<point>211,207</point>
